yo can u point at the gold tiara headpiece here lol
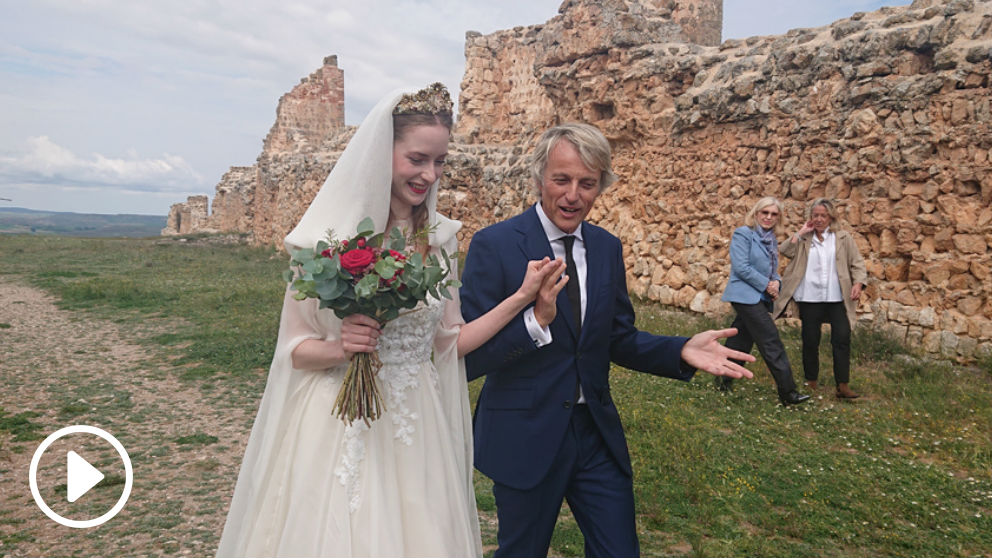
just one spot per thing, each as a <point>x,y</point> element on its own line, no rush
<point>433,99</point>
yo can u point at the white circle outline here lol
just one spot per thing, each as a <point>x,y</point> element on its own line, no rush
<point>77,429</point>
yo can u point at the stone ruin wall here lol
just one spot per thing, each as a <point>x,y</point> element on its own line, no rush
<point>506,79</point>
<point>886,112</point>
<point>267,199</point>
<point>311,112</point>
<point>188,217</point>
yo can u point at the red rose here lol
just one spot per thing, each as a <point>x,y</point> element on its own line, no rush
<point>397,255</point>
<point>326,253</point>
<point>356,260</point>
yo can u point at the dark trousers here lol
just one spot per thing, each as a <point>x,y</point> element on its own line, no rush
<point>755,327</point>
<point>584,474</point>
<point>813,315</point>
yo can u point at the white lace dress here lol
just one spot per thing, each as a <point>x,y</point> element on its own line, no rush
<point>312,486</point>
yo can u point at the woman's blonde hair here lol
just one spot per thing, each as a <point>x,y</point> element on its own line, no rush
<point>763,203</point>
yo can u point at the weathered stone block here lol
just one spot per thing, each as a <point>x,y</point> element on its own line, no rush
<point>969,305</point>
<point>969,243</point>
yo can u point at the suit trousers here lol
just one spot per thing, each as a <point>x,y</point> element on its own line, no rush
<point>586,475</point>
<point>813,315</point>
<point>755,327</point>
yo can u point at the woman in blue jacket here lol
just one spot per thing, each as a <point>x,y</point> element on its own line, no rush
<point>753,287</point>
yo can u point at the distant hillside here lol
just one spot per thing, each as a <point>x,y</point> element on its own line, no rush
<point>17,220</point>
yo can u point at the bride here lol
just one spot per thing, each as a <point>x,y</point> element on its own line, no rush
<point>310,485</point>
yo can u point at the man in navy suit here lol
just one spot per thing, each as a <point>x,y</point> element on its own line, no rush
<point>546,428</point>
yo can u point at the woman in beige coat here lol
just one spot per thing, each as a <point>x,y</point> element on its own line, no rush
<point>825,277</point>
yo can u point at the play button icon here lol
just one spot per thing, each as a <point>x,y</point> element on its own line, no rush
<point>81,476</point>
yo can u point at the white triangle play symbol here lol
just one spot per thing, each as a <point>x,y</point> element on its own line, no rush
<point>81,476</point>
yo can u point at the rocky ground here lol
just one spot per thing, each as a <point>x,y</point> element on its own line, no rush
<point>60,368</point>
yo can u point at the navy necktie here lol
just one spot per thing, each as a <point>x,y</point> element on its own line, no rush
<point>572,287</point>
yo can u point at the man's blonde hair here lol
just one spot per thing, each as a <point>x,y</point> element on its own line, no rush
<point>592,145</point>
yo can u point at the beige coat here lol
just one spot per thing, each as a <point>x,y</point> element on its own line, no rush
<point>850,270</point>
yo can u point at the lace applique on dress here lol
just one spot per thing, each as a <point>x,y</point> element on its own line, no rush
<point>404,346</point>
<point>351,460</point>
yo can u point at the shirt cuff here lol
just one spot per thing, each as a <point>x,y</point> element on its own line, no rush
<point>540,335</point>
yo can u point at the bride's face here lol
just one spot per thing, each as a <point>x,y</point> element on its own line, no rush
<point>418,161</point>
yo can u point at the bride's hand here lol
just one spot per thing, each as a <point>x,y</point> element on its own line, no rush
<point>359,334</point>
<point>538,272</point>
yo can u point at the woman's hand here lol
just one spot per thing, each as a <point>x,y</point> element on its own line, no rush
<point>772,289</point>
<point>359,334</point>
<point>542,282</point>
<point>538,271</point>
<point>856,291</point>
<point>805,229</point>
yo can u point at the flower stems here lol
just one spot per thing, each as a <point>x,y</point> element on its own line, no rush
<point>359,397</point>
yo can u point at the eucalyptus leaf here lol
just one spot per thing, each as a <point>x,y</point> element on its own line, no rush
<point>397,240</point>
<point>366,286</point>
<point>302,255</point>
<point>366,227</point>
<point>387,267</point>
<point>331,289</point>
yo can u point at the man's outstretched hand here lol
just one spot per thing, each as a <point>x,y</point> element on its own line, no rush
<point>704,352</point>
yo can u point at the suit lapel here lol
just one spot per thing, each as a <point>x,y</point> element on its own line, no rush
<point>533,242</point>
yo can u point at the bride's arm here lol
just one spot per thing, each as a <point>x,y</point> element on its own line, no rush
<point>543,275</point>
<point>359,334</point>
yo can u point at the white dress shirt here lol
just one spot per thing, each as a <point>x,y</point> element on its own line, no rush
<point>820,283</point>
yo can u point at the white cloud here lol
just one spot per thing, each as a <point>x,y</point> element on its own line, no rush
<point>46,162</point>
<point>199,80</point>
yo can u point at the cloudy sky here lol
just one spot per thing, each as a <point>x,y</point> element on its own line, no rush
<point>124,106</point>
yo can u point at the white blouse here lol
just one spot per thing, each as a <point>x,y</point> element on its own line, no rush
<point>820,284</point>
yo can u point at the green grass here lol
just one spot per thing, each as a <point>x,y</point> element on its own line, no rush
<point>198,439</point>
<point>20,426</point>
<point>904,471</point>
<point>226,298</point>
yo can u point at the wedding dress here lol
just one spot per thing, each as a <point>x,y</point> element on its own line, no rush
<point>310,485</point>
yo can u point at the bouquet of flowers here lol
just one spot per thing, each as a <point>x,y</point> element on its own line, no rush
<point>371,274</point>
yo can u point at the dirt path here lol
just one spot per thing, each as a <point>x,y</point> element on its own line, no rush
<point>185,440</point>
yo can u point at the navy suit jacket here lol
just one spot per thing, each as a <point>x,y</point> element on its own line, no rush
<point>528,397</point>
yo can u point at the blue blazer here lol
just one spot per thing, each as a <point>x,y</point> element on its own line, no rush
<point>529,394</point>
<point>750,268</point>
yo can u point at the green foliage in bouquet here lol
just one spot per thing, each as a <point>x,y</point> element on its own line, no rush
<point>370,274</point>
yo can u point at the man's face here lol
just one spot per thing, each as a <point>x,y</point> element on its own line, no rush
<point>568,188</point>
